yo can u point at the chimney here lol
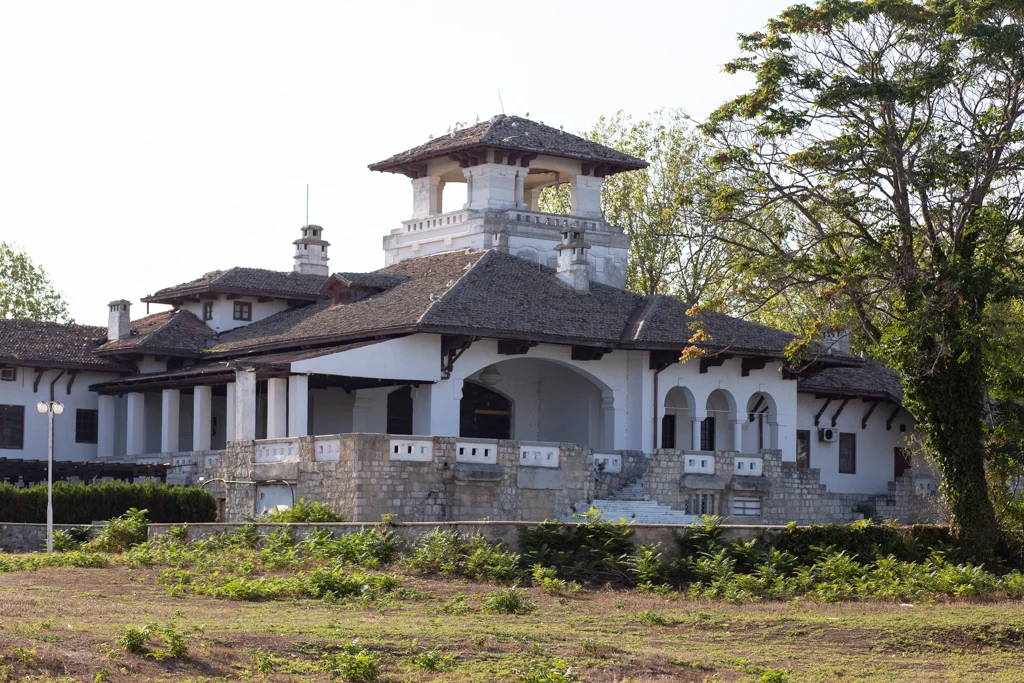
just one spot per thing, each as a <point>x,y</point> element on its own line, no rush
<point>311,252</point>
<point>119,323</point>
<point>836,341</point>
<point>573,268</point>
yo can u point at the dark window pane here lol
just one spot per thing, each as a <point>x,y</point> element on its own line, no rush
<point>87,424</point>
<point>12,427</point>
<point>668,431</point>
<point>803,448</point>
<point>400,411</point>
<point>847,453</point>
<point>707,434</point>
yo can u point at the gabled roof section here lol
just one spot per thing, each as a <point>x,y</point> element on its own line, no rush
<point>244,281</point>
<point>872,379</point>
<point>173,332</point>
<point>31,342</point>
<point>517,134</point>
<point>375,280</point>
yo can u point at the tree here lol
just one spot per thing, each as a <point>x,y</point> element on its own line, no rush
<point>663,208</point>
<point>891,130</point>
<point>26,291</point>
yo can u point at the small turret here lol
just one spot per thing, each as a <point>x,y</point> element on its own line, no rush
<point>311,252</point>
<point>573,267</point>
<point>119,322</point>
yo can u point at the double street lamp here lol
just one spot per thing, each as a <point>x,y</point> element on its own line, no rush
<point>50,408</point>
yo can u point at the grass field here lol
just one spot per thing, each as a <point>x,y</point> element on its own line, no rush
<point>59,623</point>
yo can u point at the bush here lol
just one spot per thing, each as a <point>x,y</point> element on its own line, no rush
<point>134,639</point>
<point>508,601</point>
<point>121,533</point>
<point>353,663</point>
<point>67,540</point>
<point>593,550</point>
<point>303,511</point>
<point>449,554</point>
<point>86,503</point>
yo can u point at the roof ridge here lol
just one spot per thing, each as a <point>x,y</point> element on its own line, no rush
<point>472,265</point>
<point>635,325</point>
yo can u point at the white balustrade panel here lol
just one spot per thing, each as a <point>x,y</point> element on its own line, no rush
<point>212,461</point>
<point>326,449</point>
<point>699,463</point>
<point>538,456</point>
<point>608,462</point>
<point>476,451</point>
<point>412,450</point>
<point>276,450</point>
<point>181,463</point>
<point>751,467</point>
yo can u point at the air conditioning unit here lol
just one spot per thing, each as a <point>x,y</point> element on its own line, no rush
<point>7,374</point>
<point>828,434</point>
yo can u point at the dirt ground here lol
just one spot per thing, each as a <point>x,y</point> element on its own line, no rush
<point>62,624</point>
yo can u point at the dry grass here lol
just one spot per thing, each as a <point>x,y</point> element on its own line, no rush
<point>71,617</point>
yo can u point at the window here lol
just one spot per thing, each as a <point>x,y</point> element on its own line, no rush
<point>746,507</point>
<point>12,427</point>
<point>699,504</point>
<point>847,453</point>
<point>803,449</point>
<point>87,426</point>
<point>8,374</point>
<point>208,310</point>
<point>668,431</point>
<point>707,434</point>
<point>243,310</point>
<point>901,461</point>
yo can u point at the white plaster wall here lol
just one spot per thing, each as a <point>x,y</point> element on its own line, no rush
<point>607,264</point>
<point>149,364</point>
<point>19,392</point>
<point>875,445</point>
<point>331,411</point>
<point>224,311</point>
<point>415,357</point>
<point>728,377</point>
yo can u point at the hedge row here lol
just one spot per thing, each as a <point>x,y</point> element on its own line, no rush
<point>85,503</point>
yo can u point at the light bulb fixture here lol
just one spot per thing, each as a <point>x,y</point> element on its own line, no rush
<point>58,408</point>
<point>41,407</point>
<point>490,376</point>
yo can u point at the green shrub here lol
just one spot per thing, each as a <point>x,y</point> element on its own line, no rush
<point>121,533</point>
<point>86,503</point>
<point>594,549</point>
<point>353,663</point>
<point>449,554</point>
<point>508,601</point>
<point>558,673</point>
<point>547,580</point>
<point>432,660</point>
<point>304,511</point>
<point>66,540</point>
<point>132,639</point>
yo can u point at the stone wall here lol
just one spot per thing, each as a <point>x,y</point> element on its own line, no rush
<point>27,538</point>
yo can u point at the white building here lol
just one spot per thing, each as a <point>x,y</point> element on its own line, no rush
<point>490,321</point>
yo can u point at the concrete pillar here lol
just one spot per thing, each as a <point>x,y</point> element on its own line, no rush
<point>435,408</point>
<point>532,198</point>
<point>136,424</point>
<point>494,186</point>
<point>737,435</point>
<point>698,417</point>
<point>245,405</point>
<point>520,188</point>
<point>277,408</point>
<point>202,415</point>
<point>229,413</point>
<point>607,420</point>
<point>105,435</point>
<point>170,414</point>
<point>426,196</point>
<point>298,405</point>
<point>361,412</point>
<point>585,192</point>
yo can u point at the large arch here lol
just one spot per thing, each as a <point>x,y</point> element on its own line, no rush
<point>717,433</point>
<point>762,417</point>
<point>676,424</point>
<point>484,412</point>
<point>551,400</point>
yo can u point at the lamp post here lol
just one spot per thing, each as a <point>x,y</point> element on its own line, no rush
<point>50,408</point>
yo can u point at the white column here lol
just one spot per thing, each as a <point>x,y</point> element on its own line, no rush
<point>586,196</point>
<point>245,405</point>
<point>695,431</point>
<point>298,405</point>
<point>737,435</point>
<point>170,412</point>
<point>202,414</point>
<point>136,427</point>
<point>361,405</point>
<point>229,413</point>
<point>520,188</point>
<point>277,408</point>
<point>435,408</point>
<point>105,436</point>
<point>608,419</point>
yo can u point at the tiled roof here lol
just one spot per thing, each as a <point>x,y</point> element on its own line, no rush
<point>176,332</point>
<point>375,280</point>
<point>513,133</point>
<point>25,342</point>
<point>254,281</point>
<point>870,379</point>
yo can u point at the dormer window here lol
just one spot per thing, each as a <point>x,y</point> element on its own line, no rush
<point>207,310</point>
<point>242,311</point>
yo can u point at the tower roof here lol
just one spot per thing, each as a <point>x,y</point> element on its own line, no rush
<point>516,134</point>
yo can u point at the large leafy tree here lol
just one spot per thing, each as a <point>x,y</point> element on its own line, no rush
<point>892,131</point>
<point>664,209</point>
<point>25,289</point>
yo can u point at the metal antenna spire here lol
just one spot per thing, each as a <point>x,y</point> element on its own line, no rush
<point>501,103</point>
<point>307,203</point>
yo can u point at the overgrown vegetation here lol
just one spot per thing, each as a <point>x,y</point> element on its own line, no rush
<point>304,511</point>
<point>86,503</point>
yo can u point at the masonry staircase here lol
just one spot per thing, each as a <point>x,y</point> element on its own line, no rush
<point>630,503</point>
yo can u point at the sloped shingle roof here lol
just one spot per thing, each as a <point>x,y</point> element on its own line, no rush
<point>25,342</point>
<point>513,133</point>
<point>253,281</point>
<point>178,332</point>
<point>870,379</point>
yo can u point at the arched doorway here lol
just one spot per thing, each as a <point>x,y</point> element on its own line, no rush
<point>715,431</point>
<point>763,419</point>
<point>400,411</point>
<point>484,413</point>
<point>676,429</point>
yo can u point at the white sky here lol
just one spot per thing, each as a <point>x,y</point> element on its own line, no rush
<point>143,144</point>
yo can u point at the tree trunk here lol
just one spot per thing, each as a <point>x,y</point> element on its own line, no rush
<point>949,402</point>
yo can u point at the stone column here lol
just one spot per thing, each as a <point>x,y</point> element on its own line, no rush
<point>494,186</point>
<point>298,405</point>
<point>245,405</point>
<point>169,417</point>
<point>277,408</point>
<point>229,413</point>
<point>586,196</point>
<point>426,196</point>
<point>520,188</point>
<point>136,427</point>
<point>532,198</point>
<point>105,435</point>
<point>737,435</point>
<point>695,431</point>
<point>202,414</point>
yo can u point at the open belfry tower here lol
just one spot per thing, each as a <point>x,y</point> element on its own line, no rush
<point>506,162</point>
